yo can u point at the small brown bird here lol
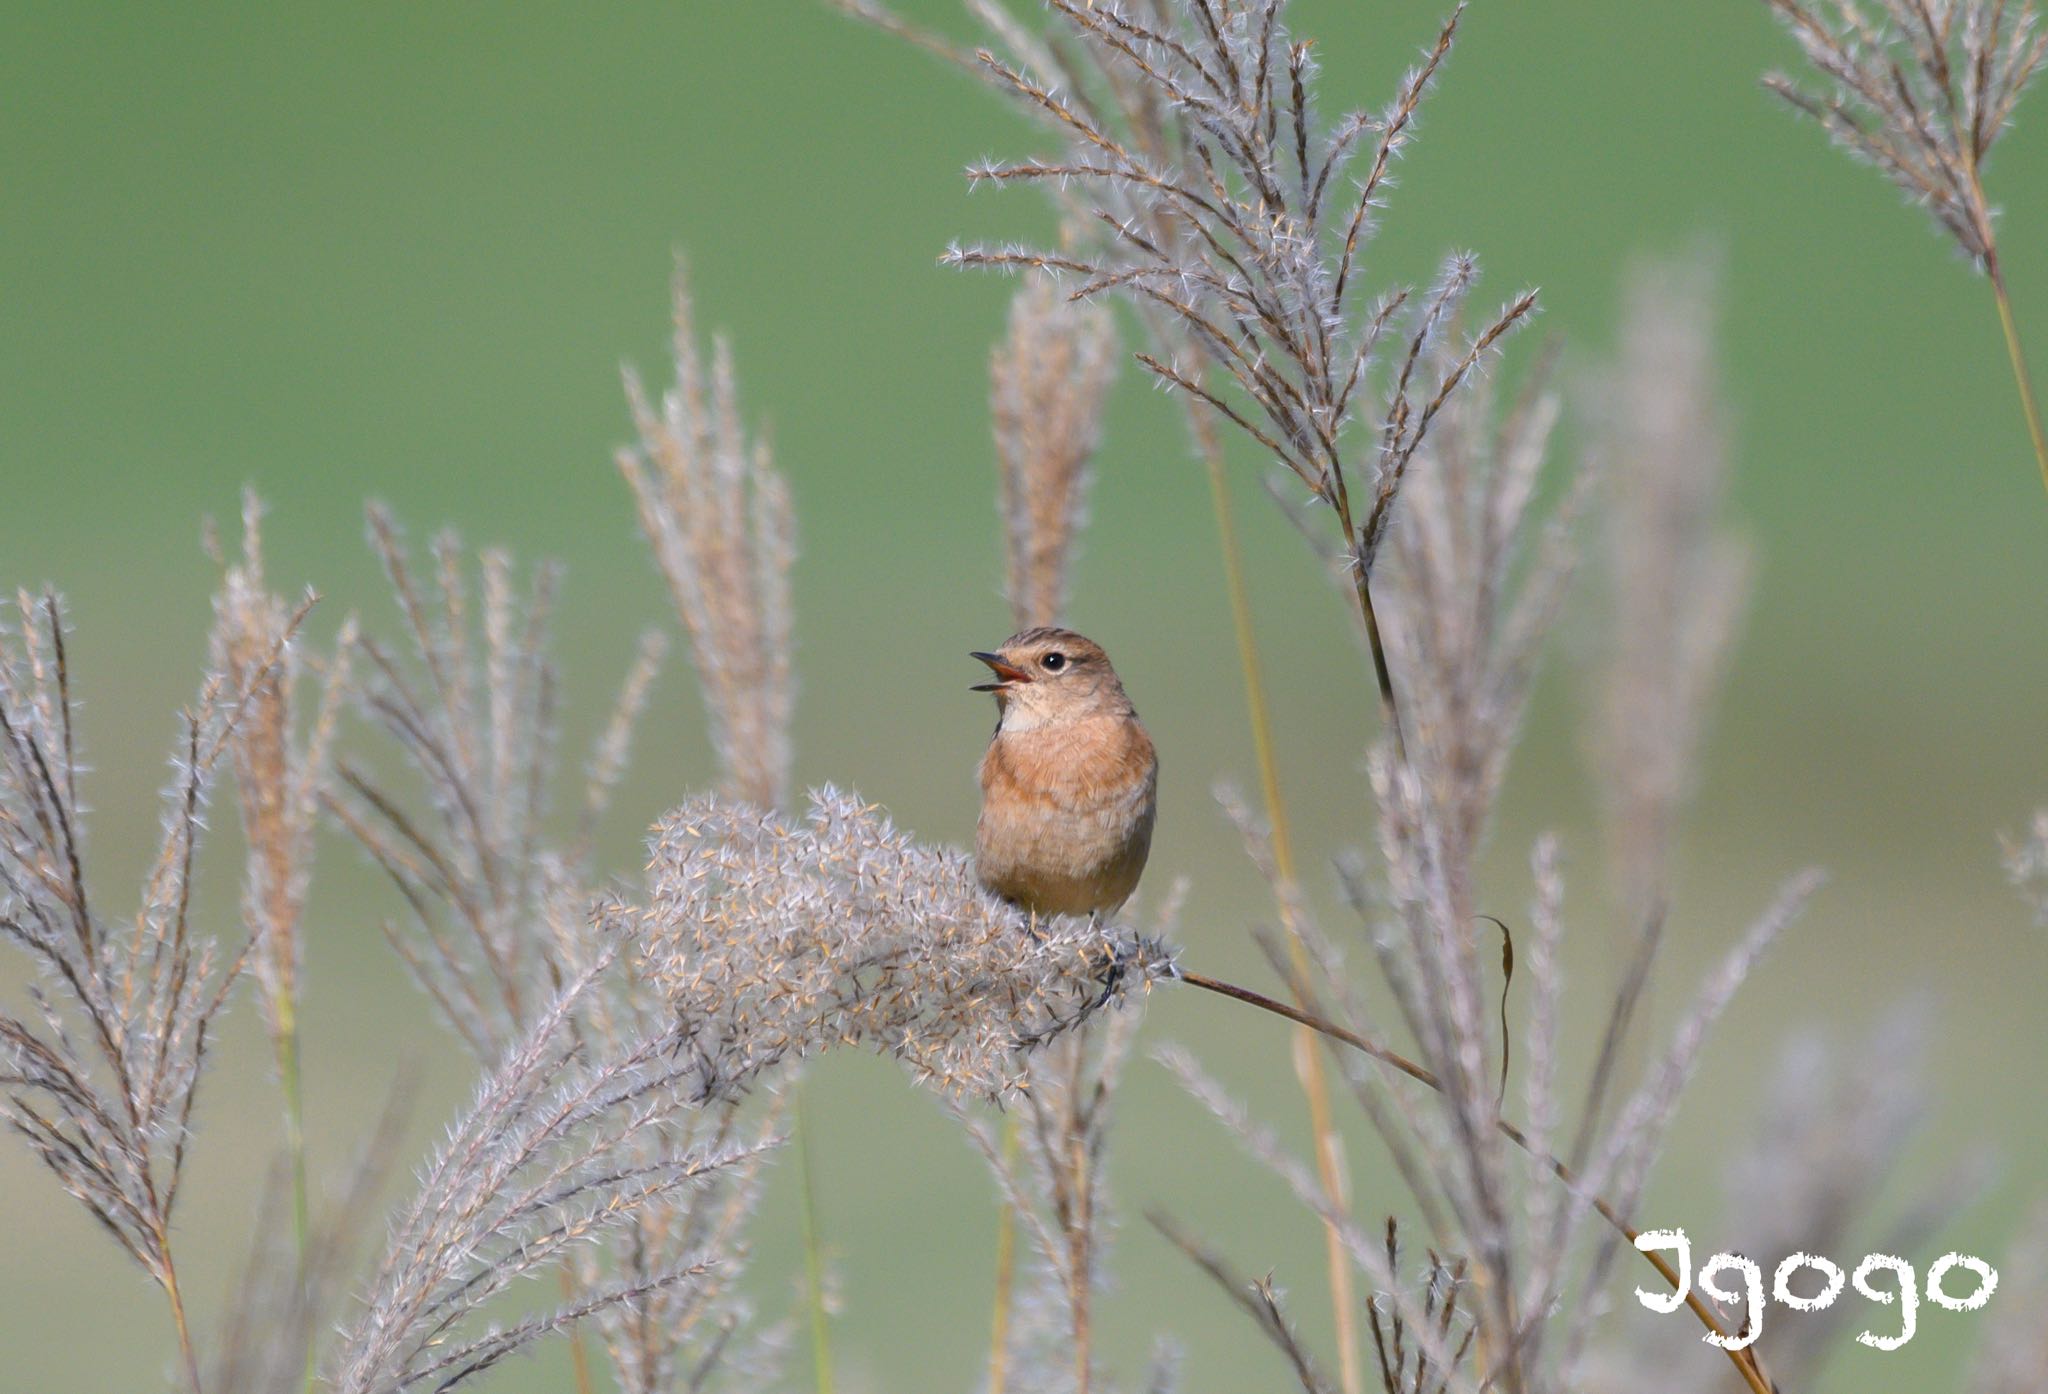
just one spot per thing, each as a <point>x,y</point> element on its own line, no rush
<point>1070,781</point>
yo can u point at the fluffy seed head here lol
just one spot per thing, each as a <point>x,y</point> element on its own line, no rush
<point>773,938</point>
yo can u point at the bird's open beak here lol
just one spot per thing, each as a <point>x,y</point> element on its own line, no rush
<point>1006,673</point>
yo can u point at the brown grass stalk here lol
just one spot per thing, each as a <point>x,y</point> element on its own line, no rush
<point>1308,1063</point>
<point>186,1354</point>
<point>1006,1274</point>
<point>2022,377</point>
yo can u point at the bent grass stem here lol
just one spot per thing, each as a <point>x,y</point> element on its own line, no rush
<point>1745,1361</point>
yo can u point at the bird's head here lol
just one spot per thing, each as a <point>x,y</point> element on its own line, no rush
<point>1047,674</point>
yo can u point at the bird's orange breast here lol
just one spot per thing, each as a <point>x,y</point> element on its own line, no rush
<point>1067,812</point>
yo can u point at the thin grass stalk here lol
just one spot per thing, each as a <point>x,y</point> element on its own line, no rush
<point>814,1252</point>
<point>295,1146</point>
<point>579,1350</point>
<point>1368,617</point>
<point>1308,1063</point>
<point>1006,1270</point>
<point>185,1351</point>
<point>2015,352</point>
<point>1080,1230</point>
<point>1745,1361</point>
<point>1994,271</point>
<point>2021,376</point>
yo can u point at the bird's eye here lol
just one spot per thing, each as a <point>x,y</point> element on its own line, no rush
<point>1053,662</point>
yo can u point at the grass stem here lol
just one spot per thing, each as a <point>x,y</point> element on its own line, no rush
<point>1080,1257</point>
<point>814,1254</point>
<point>287,1046</point>
<point>185,1348</point>
<point>1308,1063</point>
<point>579,1352</point>
<point>1383,676</point>
<point>2015,352</point>
<point>1006,1271</point>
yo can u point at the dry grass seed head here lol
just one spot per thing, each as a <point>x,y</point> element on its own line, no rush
<point>1047,382</point>
<point>101,1074</point>
<point>1236,222</point>
<point>280,771</point>
<point>1921,89</point>
<point>773,939</point>
<point>1674,573</point>
<point>548,1159</point>
<point>717,514</point>
<point>471,715</point>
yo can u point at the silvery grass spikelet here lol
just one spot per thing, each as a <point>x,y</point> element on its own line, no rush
<point>548,1160</point>
<point>1921,89</point>
<point>1047,381</point>
<point>101,1075</point>
<point>496,862</point>
<point>718,518</point>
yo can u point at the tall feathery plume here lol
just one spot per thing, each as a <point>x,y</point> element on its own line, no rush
<point>1047,381</point>
<point>1477,573</point>
<point>1672,586</point>
<point>1474,574</point>
<point>472,714</point>
<point>1674,574</point>
<point>717,515</point>
<point>1240,232</point>
<point>1923,89</point>
<point>100,1077</point>
<point>279,775</point>
<point>546,1161</point>
<point>1506,1199</point>
<point>718,518</point>
<point>278,770</point>
<point>499,893</point>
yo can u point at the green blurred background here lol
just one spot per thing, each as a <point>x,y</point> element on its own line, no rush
<point>399,251</point>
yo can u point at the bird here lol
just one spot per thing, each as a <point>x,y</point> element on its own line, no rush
<point>1070,780</point>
